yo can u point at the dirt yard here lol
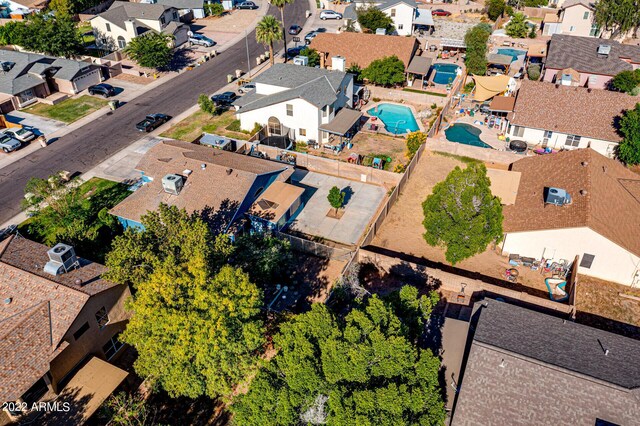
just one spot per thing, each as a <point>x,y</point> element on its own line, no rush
<point>598,301</point>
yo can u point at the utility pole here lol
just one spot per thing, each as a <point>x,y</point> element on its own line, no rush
<point>246,41</point>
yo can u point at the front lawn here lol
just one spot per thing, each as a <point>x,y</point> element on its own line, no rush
<point>98,196</point>
<point>193,126</point>
<point>68,110</point>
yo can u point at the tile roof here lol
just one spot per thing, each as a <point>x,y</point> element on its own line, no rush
<point>610,205</point>
<point>571,110</point>
<point>362,49</point>
<point>223,183</point>
<point>564,344</point>
<point>581,54</point>
<point>41,310</point>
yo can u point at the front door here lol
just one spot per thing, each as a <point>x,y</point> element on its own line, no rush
<point>546,138</point>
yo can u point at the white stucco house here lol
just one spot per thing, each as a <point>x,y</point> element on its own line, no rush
<point>184,6</point>
<point>404,13</point>
<point>575,17</point>
<point>568,117</point>
<point>599,225</point>
<point>298,102</point>
<point>123,21</point>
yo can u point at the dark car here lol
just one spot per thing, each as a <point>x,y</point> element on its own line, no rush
<point>152,121</point>
<point>247,5</point>
<point>292,52</point>
<point>106,90</point>
<point>440,12</point>
<point>295,29</point>
<point>224,99</point>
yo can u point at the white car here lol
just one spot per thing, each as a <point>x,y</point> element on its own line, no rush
<point>201,40</point>
<point>8,144</point>
<point>22,134</point>
<point>247,87</point>
<point>330,14</point>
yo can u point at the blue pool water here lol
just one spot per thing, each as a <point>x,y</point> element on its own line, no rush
<point>444,73</point>
<point>514,53</point>
<point>397,119</point>
<point>465,134</point>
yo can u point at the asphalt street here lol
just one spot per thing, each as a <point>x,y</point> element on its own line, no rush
<point>86,147</point>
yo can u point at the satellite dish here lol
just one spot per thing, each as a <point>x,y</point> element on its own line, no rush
<point>190,33</point>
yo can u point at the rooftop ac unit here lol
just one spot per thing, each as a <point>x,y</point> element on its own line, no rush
<point>172,184</point>
<point>604,49</point>
<point>381,31</point>
<point>62,258</point>
<point>556,196</point>
<point>301,60</point>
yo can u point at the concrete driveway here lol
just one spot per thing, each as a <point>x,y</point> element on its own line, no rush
<point>41,125</point>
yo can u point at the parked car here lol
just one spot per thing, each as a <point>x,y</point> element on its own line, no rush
<point>295,29</point>
<point>313,34</point>
<point>8,144</point>
<point>20,133</point>
<point>330,14</point>
<point>224,99</point>
<point>247,5</point>
<point>247,87</point>
<point>440,12</point>
<point>201,40</point>
<point>106,90</point>
<point>152,121</point>
<point>292,52</point>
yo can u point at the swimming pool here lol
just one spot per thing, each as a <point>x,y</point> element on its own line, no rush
<point>397,119</point>
<point>444,73</point>
<point>514,53</point>
<point>465,134</point>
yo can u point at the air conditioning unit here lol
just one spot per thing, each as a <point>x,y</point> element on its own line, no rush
<point>172,184</point>
<point>604,49</point>
<point>301,60</point>
<point>62,258</point>
<point>556,196</point>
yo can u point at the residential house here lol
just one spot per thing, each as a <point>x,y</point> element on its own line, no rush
<point>277,205</point>
<point>295,101</point>
<point>123,21</point>
<point>575,17</point>
<point>25,77</point>
<point>401,12</point>
<point>559,116</point>
<point>596,60</point>
<point>220,184</point>
<point>599,224</point>
<point>185,7</point>
<point>58,314</point>
<point>528,368</point>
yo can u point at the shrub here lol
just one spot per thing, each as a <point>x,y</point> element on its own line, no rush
<point>214,9</point>
<point>414,140</point>
<point>234,126</point>
<point>533,72</point>
<point>206,104</point>
<point>385,72</point>
<point>517,26</point>
<point>533,33</point>
<point>495,8</point>
<point>625,81</point>
<point>312,55</point>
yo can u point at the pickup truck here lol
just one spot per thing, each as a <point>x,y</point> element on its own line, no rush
<point>8,144</point>
<point>152,121</point>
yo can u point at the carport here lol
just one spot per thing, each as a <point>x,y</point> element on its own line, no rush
<point>345,124</point>
<point>498,61</point>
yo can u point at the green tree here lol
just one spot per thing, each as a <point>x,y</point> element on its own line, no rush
<point>617,16</point>
<point>386,71</point>
<point>625,81</point>
<point>206,104</point>
<point>356,71</point>
<point>280,4</point>
<point>336,198</point>
<point>265,258</point>
<point>414,140</point>
<point>268,32</point>
<point>629,148</point>
<point>55,36</point>
<point>9,32</point>
<point>517,26</point>
<point>214,9</point>
<point>362,369</point>
<point>476,56</point>
<point>312,54</point>
<point>533,72</point>
<point>495,8</point>
<point>533,33</point>
<point>151,50</point>
<point>372,18</point>
<point>462,215</point>
<point>61,7</point>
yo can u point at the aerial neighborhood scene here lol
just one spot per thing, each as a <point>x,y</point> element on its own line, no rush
<point>320,212</point>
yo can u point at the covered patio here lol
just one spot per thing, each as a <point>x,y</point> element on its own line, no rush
<point>498,62</point>
<point>344,125</point>
<point>418,69</point>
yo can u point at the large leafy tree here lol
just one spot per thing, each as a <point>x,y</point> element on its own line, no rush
<point>617,16</point>
<point>629,148</point>
<point>363,369</point>
<point>196,322</point>
<point>476,56</point>
<point>386,71</point>
<point>372,18</point>
<point>462,215</point>
<point>56,36</point>
<point>495,8</point>
<point>151,50</point>
<point>280,4</point>
<point>268,32</point>
<point>626,81</point>
<point>517,26</point>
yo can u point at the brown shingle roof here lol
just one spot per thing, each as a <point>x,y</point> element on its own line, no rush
<point>606,204</point>
<point>571,110</point>
<point>279,198</point>
<point>362,49</point>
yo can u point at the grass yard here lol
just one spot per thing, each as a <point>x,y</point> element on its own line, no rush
<point>68,110</point>
<point>84,28</point>
<point>97,195</point>
<point>193,126</point>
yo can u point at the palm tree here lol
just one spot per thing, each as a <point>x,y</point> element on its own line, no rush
<point>268,32</point>
<point>280,4</point>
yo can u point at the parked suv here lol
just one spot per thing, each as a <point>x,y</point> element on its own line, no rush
<point>201,40</point>
<point>106,90</point>
<point>330,14</point>
<point>224,99</point>
<point>247,5</point>
<point>8,144</point>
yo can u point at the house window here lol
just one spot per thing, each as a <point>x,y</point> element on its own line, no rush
<point>517,131</point>
<point>112,347</point>
<point>572,140</point>
<point>571,28</point>
<point>586,15</point>
<point>587,260</point>
<point>121,42</point>
<point>175,15</point>
<point>274,127</point>
<point>548,134</point>
<point>290,110</point>
<point>594,30</point>
<point>83,328</point>
<point>302,132</point>
<point>393,13</point>
<point>400,26</point>
<point>162,20</point>
<point>108,27</point>
<point>102,317</point>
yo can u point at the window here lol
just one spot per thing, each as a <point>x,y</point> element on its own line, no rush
<point>290,110</point>
<point>175,15</point>
<point>586,15</point>
<point>273,126</point>
<point>548,134</point>
<point>587,260</point>
<point>400,26</point>
<point>572,140</point>
<point>517,131</point>
<point>594,30</point>
<point>393,13</point>
<point>571,28</point>
<point>108,27</point>
<point>102,317</point>
<point>83,328</point>
<point>121,42</point>
<point>302,132</point>
<point>112,347</point>
<point>162,20</point>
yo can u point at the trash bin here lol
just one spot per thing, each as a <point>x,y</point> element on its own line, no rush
<point>229,78</point>
<point>307,14</point>
<point>113,105</point>
<point>238,73</point>
<point>43,141</point>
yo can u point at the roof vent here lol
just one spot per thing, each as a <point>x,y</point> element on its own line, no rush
<point>187,172</point>
<point>583,192</point>
<point>604,49</point>
<point>8,300</point>
<point>556,196</point>
<point>172,184</point>
<point>584,163</point>
<point>78,282</point>
<point>229,171</point>
<point>203,166</point>
<point>62,258</point>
